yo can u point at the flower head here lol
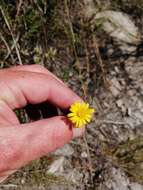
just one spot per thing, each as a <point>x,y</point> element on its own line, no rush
<point>80,114</point>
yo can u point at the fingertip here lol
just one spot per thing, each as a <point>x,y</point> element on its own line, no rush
<point>76,132</point>
<point>71,99</point>
<point>65,126</point>
<point>77,99</point>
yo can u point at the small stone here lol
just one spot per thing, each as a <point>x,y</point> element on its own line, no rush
<point>84,155</point>
<point>119,103</point>
<point>115,87</point>
<point>23,181</point>
<point>117,69</point>
<point>106,104</point>
<point>56,166</point>
<point>129,112</point>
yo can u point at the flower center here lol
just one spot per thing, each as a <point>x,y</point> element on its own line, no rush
<point>81,113</point>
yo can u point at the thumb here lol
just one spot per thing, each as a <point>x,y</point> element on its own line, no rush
<point>22,144</point>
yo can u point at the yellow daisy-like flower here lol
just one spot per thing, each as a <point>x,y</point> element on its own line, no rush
<point>81,114</point>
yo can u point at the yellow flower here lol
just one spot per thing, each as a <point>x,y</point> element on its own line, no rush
<point>81,114</point>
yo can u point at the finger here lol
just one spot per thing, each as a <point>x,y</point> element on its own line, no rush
<point>20,145</point>
<point>7,116</point>
<point>31,68</point>
<point>37,69</point>
<point>20,88</point>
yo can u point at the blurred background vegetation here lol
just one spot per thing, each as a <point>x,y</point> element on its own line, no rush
<point>53,33</point>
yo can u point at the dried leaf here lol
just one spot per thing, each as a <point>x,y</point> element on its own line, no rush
<point>56,166</point>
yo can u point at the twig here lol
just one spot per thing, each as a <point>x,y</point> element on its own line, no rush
<point>87,66</point>
<point>100,60</point>
<point>87,57</point>
<point>89,158</point>
<point>12,47</point>
<point>8,186</point>
<point>112,122</point>
<point>14,41</point>
<point>79,69</point>
<point>8,48</point>
<point>74,48</point>
<point>18,7</point>
<point>72,35</point>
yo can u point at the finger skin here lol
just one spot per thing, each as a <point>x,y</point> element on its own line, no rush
<point>18,146</point>
<point>37,69</point>
<point>7,116</point>
<point>22,87</point>
<point>30,68</point>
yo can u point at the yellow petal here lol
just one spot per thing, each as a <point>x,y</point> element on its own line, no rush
<point>81,114</point>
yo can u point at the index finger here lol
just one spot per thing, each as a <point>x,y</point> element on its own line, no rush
<point>21,87</point>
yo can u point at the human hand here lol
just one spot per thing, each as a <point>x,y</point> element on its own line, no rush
<point>22,143</point>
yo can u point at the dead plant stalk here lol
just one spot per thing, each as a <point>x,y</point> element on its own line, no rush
<point>13,38</point>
